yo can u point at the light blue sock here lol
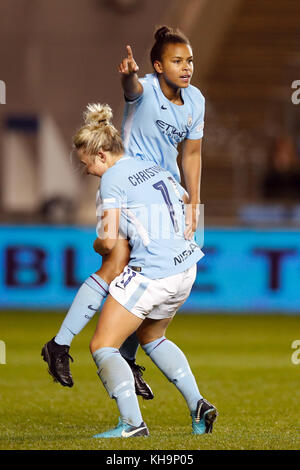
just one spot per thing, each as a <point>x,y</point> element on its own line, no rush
<point>174,365</point>
<point>86,303</point>
<point>130,347</point>
<point>118,380</point>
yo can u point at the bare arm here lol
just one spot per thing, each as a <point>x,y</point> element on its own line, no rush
<point>191,166</point>
<point>128,69</point>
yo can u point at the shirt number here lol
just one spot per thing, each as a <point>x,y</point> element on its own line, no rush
<point>160,186</point>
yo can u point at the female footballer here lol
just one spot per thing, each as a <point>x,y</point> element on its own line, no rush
<point>161,110</point>
<point>156,281</point>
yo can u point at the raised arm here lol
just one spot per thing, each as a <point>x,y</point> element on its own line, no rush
<point>128,69</point>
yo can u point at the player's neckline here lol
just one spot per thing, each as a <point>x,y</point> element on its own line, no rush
<point>169,101</point>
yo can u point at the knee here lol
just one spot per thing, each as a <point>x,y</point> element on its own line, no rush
<point>146,337</point>
<point>94,345</point>
<point>143,338</point>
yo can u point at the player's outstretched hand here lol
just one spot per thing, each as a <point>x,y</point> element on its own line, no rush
<point>128,65</point>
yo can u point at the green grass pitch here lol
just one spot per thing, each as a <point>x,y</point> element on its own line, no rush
<point>242,364</point>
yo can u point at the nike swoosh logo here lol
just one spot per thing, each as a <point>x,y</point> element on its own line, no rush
<point>163,107</point>
<point>131,433</point>
<point>91,308</point>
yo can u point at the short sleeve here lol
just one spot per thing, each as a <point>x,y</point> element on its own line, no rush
<point>196,130</point>
<point>111,193</point>
<point>145,82</point>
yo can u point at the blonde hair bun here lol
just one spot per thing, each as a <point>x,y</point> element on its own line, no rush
<point>98,133</point>
<point>98,114</point>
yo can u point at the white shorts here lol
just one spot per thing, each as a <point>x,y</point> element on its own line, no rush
<point>152,298</point>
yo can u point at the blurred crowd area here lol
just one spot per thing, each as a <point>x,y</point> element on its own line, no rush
<point>58,56</point>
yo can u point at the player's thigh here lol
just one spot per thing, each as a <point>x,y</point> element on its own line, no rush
<point>151,330</point>
<point>114,263</point>
<point>114,326</point>
<point>159,318</point>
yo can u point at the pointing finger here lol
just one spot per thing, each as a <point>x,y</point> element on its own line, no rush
<point>129,52</point>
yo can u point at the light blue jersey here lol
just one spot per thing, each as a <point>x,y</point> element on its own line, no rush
<point>153,126</point>
<point>152,216</point>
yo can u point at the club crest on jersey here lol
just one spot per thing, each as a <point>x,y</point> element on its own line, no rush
<point>190,120</point>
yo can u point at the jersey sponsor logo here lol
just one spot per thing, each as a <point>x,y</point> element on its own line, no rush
<point>170,131</point>
<point>181,257</point>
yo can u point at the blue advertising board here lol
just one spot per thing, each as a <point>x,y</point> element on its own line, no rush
<point>242,270</point>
